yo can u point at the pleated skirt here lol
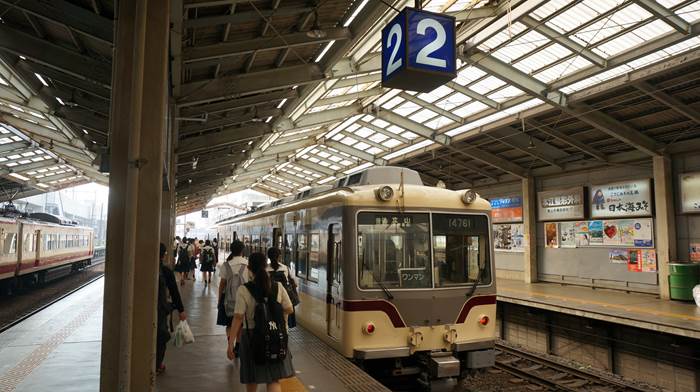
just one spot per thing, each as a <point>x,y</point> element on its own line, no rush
<point>252,373</point>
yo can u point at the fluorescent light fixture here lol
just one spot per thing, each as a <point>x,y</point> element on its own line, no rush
<point>281,103</point>
<point>19,176</point>
<point>267,120</point>
<point>60,101</point>
<point>22,57</point>
<point>85,131</point>
<point>354,13</point>
<point>41,79</point>
<point>324,51</point>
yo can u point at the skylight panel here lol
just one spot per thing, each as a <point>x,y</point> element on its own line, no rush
<point>323,154</point>
<point>468,75</point>
<point>337,92</point>
<point>470,109</point>
<point>414,147</point>
<point>603,6</point>
<point>378,138</point>
<point>683,46</point>
<point>364,132</point>
<point>409,135</point>
<point>572,18</point>
<point>392,103</point>
<point>596,32</point>
<point>619,44</point>
<point>549,8</point>
<point>337,137</point>
<point>359,168</point>
<point>487,85</point>
<point>453,101</point>
<point>348,141</point>
<point>562,69</point>
<point>391,143</point>
<point>423,115</point>
<point>335,158</point>
<point>669,3</point>
<point>630,15</point>
<point>652,30</point>
<point>438,122</point>
<point>502,36</point>
<point>435,94</point>
<point>395,129</point>
<point>379,122</point>
<point>690,13</point>
<point>506,94</point>
<point>523,106</point>
<point>521,46</point>
<point>406,109</point>
<point>387,96</point>
<point>458,6</point>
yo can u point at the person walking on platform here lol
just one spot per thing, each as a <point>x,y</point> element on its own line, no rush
<point>234,273</point>
<point>193,260</point>
<point>280,273</point>
<point>215,245</point>
<point>261,310</point>
<point>182,265</point>
<point>167,288</point>
<point>206,262</point>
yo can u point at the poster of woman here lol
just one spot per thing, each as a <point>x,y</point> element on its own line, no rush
<point>551,235</point>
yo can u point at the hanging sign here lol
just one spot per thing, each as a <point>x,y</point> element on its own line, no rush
<point>621,199</point>
<point>561,204</point>
<point>507,209</point>
<point>690,192</point>
<point>418,50</point>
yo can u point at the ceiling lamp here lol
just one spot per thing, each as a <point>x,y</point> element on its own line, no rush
<point>316,31</point>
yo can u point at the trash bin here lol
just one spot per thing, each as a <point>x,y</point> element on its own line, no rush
<point>682,278</point>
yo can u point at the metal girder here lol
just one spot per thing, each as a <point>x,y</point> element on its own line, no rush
<point>239,103</point>
<point>665,14</point>
<point>222,171</point>
<point>365,140</point>
<point>58,57</point>
<point>383,131</point>
<point>249,83</point>
<point>12,146</point>
<point>615,128</point>
<point>563,40</point>
<point>492,160</point>
<point>55,177</point>
<point>68,14</point>
<point>212,164</point>
<point>432,107</point>
<point>291,177</point>
<point>34,165</point>
<point>196,127</point>
<point>86,86</point>
<point>314,167</point>
<point>317,119</point>
<point>474,13</point>
<point>354,81</point>
<point>176,30</point>
<point>517,140</point>
<point>231,49</point>
<point>84,119</point>
<point>449,176</point>
<point>223,138</point>
<point>485,28</point>
<point>97,105</point>
<point>474,95</point>
<point>412,126</point>
<point>463,165</point>
<point>244,17</point>
<point>568,140</point>
<point>365,156</point>
<point>670,101</point>
<point>347,97</point>
<point>514,76</point>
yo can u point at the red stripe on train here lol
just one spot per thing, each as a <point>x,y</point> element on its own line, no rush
<point>472,302</point>
<point>378,305</point>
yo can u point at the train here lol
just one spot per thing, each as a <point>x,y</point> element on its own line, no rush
<point>40,247</point>
<point>391,273</point>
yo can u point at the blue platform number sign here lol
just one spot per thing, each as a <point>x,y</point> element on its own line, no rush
<point>418,50</point>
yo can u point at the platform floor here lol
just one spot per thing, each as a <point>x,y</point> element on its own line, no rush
<point>58,349</point>
<point>634,309</point>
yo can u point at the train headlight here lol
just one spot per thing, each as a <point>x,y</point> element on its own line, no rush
<point>469,196</point>
<point>384,193</point>
<point>484,320</point>
<point>369,328</point>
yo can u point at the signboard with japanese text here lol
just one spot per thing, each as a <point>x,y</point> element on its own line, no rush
<point>690,192</point>
<point>507,209</point>
<point>564,204</point>
<point>621,199</point>
<point>418,50</point>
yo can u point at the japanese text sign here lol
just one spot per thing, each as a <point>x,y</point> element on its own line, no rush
<point>507,209</point>
<point>560,204</point>
<point>690,192</point>
<point>418,50</point>
<point>621,199</point>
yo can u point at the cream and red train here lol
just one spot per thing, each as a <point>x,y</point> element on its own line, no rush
<point>41,247</point>
<point>388,269</point>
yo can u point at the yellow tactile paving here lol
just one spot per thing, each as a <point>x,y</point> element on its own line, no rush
<point>292,385</point>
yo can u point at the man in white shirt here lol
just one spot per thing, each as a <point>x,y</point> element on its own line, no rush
<point>238,274</point>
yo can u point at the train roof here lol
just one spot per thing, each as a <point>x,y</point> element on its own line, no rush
<point>360,189</point>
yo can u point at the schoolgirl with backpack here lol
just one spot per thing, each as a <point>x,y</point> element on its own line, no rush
<point>261,311</point>
<point>280,273</point>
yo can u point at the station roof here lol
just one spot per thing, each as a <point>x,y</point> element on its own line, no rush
<point>280,95</point>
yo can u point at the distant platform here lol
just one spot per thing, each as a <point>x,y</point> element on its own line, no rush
<point>633,309</point>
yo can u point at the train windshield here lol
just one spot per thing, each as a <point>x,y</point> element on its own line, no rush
<point>461,249</point>
<point>394,250</point>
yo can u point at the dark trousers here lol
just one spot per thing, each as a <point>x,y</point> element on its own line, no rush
<point>162,338</point>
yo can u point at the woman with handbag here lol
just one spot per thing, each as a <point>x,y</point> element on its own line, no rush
<point>280,273</point>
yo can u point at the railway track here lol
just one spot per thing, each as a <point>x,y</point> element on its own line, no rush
<point>551,375</point>
<point>37,301</point>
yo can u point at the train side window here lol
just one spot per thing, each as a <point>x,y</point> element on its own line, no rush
<point>264,242</point>
<point>302,255</point>
<point>314,256</point>
<point>288,254</point>
<point>9,243</point>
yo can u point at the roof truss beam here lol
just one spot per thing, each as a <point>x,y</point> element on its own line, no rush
<point>238,103</point>
<point>670,101</point>
<point>347,97</point>
<point>226,137</point>
<point>665,14</point>
<point>583,147</point>
<point>245,17</point>
<point>412,126</point>
<point>197,127</point>
<point>433,107</point>
<point>471,168</point>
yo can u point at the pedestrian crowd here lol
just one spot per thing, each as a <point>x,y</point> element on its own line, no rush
<point>256,300</point>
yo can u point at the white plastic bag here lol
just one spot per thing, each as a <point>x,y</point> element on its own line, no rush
<point>183,334</point>
<point>696,294</point>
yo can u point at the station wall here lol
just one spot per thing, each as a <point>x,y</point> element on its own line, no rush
<point>590,266</point>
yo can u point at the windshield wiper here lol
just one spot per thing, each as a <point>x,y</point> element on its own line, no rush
<point>388,294</point>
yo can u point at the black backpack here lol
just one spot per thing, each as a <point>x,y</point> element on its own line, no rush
<point>269,339</point>
<point>182,256</point>
<point>208,256</point>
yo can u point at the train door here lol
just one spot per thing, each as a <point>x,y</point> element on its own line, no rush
<point>334,288</point>
<point>277,238</point>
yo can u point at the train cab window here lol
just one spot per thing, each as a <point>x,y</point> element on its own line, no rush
<point>9,243</point>
<point>393,250</point>
<point>302,255</point>
<point>461,250</point>
<point>314,257</point>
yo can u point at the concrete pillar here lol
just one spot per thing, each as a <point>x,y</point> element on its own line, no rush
<point>530,230</point>
<point>665,221</point>
<point>137,127</point>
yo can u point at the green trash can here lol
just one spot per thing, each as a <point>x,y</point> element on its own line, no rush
<point>682,278</point>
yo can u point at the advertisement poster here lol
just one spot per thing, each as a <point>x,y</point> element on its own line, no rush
<point>634,261</point>
<point>643,233</point>
<point>561,204</point>
<point>507,209</point>
<point>551,235</point>
<point>618,256</point>
<point>509,237</point>
<point>648,260</point>
<point>582,237</point>
<point>621,199</point>
<point>690,192</point>
<point>694,252</point>
<point>595,233</point>
<point>567,234</point>
<point>611,233</point>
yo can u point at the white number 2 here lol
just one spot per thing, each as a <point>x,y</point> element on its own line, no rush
<point>394,63</point>
<point>423,56</point>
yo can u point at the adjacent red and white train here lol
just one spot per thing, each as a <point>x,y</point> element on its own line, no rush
<point>40,247</point>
